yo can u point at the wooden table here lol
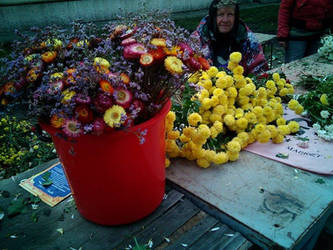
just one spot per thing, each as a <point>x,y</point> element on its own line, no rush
<point>270,203</point>
<point>177,223</point>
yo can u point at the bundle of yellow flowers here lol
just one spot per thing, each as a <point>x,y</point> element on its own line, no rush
<point>232,113</point>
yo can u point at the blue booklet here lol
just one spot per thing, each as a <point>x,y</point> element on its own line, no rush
<point>50,185</point>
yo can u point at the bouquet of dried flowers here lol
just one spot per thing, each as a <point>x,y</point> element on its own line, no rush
<point>92,80</point>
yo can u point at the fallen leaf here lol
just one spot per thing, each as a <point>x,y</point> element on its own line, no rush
<point>230,235</point>
<point>60,230</point>
<point>215,229</point>
<point>282,155</point>
<point>320,181</point>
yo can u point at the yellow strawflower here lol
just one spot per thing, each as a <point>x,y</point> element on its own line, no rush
<point>238,70</point>
<point>173,65</point>
<point>233,146</point>
<point>242,123</point>
<point>113,115</point>
<point>270,84</point>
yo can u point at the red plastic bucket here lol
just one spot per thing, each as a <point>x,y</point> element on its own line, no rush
<point>113,178</point>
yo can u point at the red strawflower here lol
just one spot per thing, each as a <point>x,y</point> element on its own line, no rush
<point>84,114</point>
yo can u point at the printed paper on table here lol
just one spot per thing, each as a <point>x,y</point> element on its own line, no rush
<point>305,151</point>
<point>52,194</point>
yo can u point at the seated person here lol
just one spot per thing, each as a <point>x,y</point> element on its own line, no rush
<point>222,32</point>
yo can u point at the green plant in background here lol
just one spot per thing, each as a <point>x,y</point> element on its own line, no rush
<point>20,148</point>
<point>326,50</point>
<point>318,104</point>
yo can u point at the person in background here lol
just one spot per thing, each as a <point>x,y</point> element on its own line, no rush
<point>301,23</point>
<point>223,32</point>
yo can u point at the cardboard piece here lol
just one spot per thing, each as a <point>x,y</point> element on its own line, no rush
<point>50,194</point>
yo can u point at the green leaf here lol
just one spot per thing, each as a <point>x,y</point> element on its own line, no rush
<point>302,138</point>
<point>320,181</point>
<point>46,179</point>
<point>282,155</point>
<point>16,207</point>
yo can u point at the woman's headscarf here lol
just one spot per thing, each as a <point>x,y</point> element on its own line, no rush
<point>211,22</point>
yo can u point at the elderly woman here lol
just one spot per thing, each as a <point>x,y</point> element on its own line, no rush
<point>222,32</point>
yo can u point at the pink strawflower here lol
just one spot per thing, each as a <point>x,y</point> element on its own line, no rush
<point>134,51</point>
<point>123,97</point>
<point>72,128</point>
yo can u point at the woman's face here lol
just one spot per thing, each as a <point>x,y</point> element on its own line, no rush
<point>225,19</point>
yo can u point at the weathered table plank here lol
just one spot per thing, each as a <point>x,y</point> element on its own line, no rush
<point>276,203</point>
<point>176,216</point>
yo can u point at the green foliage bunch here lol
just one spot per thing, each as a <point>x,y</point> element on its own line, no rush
<point>20,148</point>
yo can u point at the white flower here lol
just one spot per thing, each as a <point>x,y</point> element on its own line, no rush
<point>324,114</point>
<point>329,128</point>
<point>316,126</point>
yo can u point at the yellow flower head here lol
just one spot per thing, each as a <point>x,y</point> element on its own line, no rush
<point>160,42</point>
<point>221,82</point>
<point>232,92</point>
<point>218,126</point>
<point>270,84</point>
<point>188,131</point>
<point>67,95</point>
<point>218,92</point>
<point>278,139</point>
<point>212,71</point>
<point>173,65</point>
<point>113,116</point>
<point>221,158</point>
<point>173,135</point>
<point>215,117</point>
<point>194,119</point>
<point>299,109</point>
<point>293,126</point>
<point>167,162</point>
<point>284,130</point>
<point>293,104</point>
<point>258,111</point>
<point>324,99</point>
<point>235,57</point>
<point>220,74</point>
<point>238,70</point>
<point>264,136</point>
<point>219,110</point>
<point>276,77</point>
<point>242,123</point>
<point>233,156</point>
<point>194,78</point>
<point>203,163</point>
<point>260,127</point>
<point>206,103</point>
<point>204,131</point>
<point>281,121</point>
<point>171,116</point>
<point>273,130</point>
<point>233,146</point>
<point>284,92</point>
<point>229,120</point>
<point>232,65</point>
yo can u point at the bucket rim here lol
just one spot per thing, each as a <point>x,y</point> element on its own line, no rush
<point>163,111</point>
